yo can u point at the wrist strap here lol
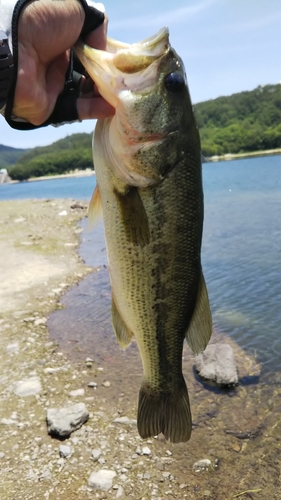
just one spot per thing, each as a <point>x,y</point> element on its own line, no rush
<point>6,68</point>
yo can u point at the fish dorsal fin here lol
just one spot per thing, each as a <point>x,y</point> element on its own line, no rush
<point>134,217</point>
<point>122,332</point>
<point>200,327</point>
<point>95,209</point>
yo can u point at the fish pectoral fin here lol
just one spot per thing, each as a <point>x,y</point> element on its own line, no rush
<point>122,332</point>
<point>134,216</point>
<point>164,412</point>
<point>200,327</point>
<point>95,209</point>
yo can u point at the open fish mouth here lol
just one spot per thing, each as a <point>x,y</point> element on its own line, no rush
<point>124,67</point>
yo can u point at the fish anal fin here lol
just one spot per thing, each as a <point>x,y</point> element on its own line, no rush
<point>200,327</point>
<point>164,412</point>
<point>134,216</point>
<point>95,209</point>
<point>122,332</point>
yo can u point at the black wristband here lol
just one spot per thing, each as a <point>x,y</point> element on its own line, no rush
<point>6,68</point>
<point>65,110</point>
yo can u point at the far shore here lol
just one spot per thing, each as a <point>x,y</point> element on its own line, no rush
<point>254,154</point>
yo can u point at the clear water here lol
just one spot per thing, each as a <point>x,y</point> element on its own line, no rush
<point>241,252</point>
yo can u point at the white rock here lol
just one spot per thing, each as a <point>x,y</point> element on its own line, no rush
<point>120,492</point>
<point>65,451</point>
<point>106,383</point>
<point>2,454</point>
<point>101,480</point>
<point>63,213</point>
<point>124,420</point>
<point>63,421</point>
<point>146,450</point>
<point>96,453</point>
<point>12,348</point>
<point>77,392</point>
<point>92,384</point>
<point>202,465</point>
<point>28,387</point>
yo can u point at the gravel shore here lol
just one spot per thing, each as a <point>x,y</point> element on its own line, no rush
<point>236,433</point>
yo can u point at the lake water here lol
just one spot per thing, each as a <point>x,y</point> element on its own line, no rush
<point>241,252</point>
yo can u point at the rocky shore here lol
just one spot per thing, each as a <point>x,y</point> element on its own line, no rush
<point>68,428</point>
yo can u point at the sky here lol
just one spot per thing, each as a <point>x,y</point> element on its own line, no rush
<point>227,46</point>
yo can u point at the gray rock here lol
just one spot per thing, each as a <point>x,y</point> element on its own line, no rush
<point>217,363</point>
<point>63,421</point>
<point>28,387</point>
<point>101,480</point>
<point>65,451</point>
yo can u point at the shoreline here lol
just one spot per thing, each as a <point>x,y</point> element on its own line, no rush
<point>238,156</point>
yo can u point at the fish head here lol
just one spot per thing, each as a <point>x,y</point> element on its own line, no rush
<point>153,127</point>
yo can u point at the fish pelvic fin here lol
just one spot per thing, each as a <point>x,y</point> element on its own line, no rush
<point>134,216</point>
<point>122,332</point>
<point>95,209</point>
<point>164,412</point>
<point>200,327</point>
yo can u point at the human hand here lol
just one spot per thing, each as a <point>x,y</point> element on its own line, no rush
<point>46,31</point>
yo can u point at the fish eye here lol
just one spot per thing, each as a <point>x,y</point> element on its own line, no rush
<point>174,82</point>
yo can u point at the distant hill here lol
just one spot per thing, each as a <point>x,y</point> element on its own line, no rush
<point>244,122</point>
<point>241,123</point>
<point>74,152</point>
<point>9,156</point>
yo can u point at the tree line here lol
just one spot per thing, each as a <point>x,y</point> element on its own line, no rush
<point>240,123</point>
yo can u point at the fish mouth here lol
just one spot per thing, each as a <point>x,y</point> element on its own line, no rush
<point>124,67</point>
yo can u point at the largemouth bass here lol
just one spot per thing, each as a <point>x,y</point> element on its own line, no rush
<point>149,185</point>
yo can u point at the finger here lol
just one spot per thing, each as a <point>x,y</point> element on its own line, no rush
<point>97,38</point>
<point>94,108</point>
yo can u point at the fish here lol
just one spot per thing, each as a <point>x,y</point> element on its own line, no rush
<point>147,158</point>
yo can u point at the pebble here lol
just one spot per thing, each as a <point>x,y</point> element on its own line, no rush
<point>77,392</point>
<point>102,480</point>
<point>2,454</point>
<point>146,450</point>
<point>202,465</point>
<point>96,453</point>
<point>65,451</point>
<point>28,387</point>
<point>12,348</point>
<point>125,420</point>
<point>106,383</point>
<point>92,384</point>
<point>63,213</point>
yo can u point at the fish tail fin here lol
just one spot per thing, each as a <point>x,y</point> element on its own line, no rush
<point>164,412</point>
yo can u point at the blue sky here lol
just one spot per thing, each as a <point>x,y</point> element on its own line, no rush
<point>227,46</point>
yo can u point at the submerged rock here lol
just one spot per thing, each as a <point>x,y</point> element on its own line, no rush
<point>63,421</point>
<point>217,363</point>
